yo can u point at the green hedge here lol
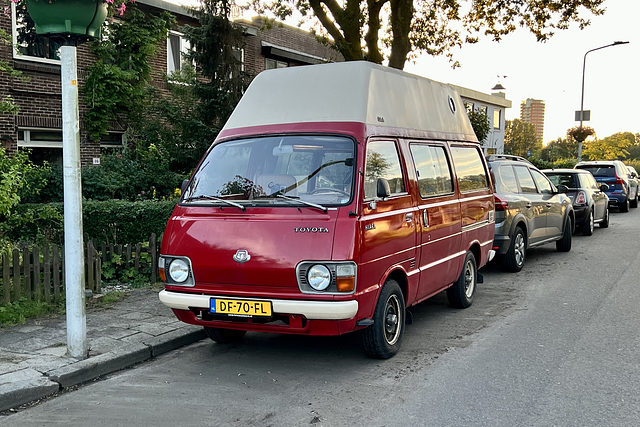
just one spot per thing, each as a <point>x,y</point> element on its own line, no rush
<point>111,221</point>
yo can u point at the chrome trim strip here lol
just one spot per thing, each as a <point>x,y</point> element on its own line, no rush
<point>441,260</point>
<point>313,310</point>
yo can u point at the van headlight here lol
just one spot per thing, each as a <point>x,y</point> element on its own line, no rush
<point>176,270</point>
<point>327,277</point>
<point>319,277</point>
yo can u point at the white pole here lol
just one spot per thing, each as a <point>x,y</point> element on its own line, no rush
<point>73,252</point>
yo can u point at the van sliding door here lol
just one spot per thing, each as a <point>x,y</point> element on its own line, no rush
<point>439,214</point>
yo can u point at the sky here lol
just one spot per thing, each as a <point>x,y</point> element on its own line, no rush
<point>552,71</point>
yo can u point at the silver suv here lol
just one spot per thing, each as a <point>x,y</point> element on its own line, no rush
<point>530,210</point>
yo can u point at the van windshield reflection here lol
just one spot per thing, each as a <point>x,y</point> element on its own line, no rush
<point>311,170</point>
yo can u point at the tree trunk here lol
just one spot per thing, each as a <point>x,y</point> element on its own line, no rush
<point>401,16</point>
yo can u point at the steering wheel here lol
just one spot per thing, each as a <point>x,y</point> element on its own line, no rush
<point>329,190</point>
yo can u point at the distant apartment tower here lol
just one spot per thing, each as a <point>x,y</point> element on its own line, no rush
<point>532,111</point>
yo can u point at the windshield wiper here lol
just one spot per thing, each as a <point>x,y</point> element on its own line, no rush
<point>216,199</point>
<point>297,199</point>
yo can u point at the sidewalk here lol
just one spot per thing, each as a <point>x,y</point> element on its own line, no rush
<point>33,360</point>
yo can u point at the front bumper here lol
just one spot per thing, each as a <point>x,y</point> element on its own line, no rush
<point>311,310</point>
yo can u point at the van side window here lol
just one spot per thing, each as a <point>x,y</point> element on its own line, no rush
<point>543,183</point>
<point>524,178</point>
<point>432,168</point>
<point>470,169</point>
<point>382,162</point>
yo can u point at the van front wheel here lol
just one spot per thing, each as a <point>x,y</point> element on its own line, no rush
<point>224,336</point>
<point>460,295</point>
<point>382,339</point>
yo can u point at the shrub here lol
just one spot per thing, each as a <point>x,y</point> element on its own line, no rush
<point>112,221</point>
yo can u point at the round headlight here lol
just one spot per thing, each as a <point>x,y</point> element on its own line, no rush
<point>319,277</point>
<point>178,270</point>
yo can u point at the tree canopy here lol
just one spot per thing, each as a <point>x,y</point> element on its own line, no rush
<point>375,30</point>
<point>520,138</point>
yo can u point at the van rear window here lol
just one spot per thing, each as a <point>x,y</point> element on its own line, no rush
<point>470,169</point>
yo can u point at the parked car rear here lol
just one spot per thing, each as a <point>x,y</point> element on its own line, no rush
<point>530,210</point>
<point>590,202</point>
<point>623,191</point>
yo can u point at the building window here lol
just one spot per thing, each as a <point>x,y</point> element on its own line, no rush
<point>27,44</point>
<point>483,109</point>
<point>239,55</point>
<point>177,47</point>
<point>45,145</point>
<point>271,64</point>
<point>468,105</point>
<point>496,118</point>
<point>112,140</point>
<point>45,138</point>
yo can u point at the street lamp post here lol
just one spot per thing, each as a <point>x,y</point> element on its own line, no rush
<point>584,65</point>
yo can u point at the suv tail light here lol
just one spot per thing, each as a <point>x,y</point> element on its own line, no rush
<point>619,180</point>
<point>581,198</point>
<point>501,203</point>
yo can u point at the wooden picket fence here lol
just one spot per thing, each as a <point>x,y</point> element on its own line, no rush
<point>38,273</point>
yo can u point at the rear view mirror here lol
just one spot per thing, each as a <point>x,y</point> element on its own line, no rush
<point>282,150</point>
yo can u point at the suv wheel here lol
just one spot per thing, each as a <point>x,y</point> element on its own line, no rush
<point>514,258</point>
<point>624,206</point>
<point>605,221</point>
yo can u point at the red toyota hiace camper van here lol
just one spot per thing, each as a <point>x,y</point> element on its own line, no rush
<point>335,196</point>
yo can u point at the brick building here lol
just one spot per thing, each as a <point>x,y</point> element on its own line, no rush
<point>38,124</point>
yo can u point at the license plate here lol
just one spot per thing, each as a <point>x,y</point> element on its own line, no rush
<point>237,307</point>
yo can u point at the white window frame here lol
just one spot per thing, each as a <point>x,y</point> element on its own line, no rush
<point>14,34</point>
<point>184,48</point>
<point>28,143</point>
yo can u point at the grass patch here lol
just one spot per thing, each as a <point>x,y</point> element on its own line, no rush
<point>19,311</point>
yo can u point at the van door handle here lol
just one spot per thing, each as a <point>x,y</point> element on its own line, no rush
<point>425,218</point>
<point>409,217</point>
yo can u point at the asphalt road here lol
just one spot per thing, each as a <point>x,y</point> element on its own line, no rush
<point>554,345</point>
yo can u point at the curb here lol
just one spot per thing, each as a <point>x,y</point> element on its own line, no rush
<point>24,386</point>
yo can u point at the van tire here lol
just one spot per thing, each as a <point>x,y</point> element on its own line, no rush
<point>460,295</point>
<point>224,336</point>
<point>516,254</point>
<point>564,244</point>
<point>382,339</point>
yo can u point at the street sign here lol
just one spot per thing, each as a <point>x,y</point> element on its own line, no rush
<point>586,115</point>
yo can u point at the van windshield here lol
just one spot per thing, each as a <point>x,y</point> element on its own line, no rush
<point>289,170</point>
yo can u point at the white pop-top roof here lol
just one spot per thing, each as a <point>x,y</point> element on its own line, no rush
<point>360,92</point>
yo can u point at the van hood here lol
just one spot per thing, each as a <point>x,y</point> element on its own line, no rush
<point>260,249</point>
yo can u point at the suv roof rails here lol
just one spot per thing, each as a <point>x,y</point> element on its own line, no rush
<point>493,157</point>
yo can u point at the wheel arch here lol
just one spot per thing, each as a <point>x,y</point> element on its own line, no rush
<point>400,276</point>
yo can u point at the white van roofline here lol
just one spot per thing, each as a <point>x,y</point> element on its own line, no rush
<point>358,92</point>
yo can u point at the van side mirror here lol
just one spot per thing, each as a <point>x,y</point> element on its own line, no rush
<point>183,186</point>
<point>604,187</point>
<point>383,190</point>
<point>562,189</point>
